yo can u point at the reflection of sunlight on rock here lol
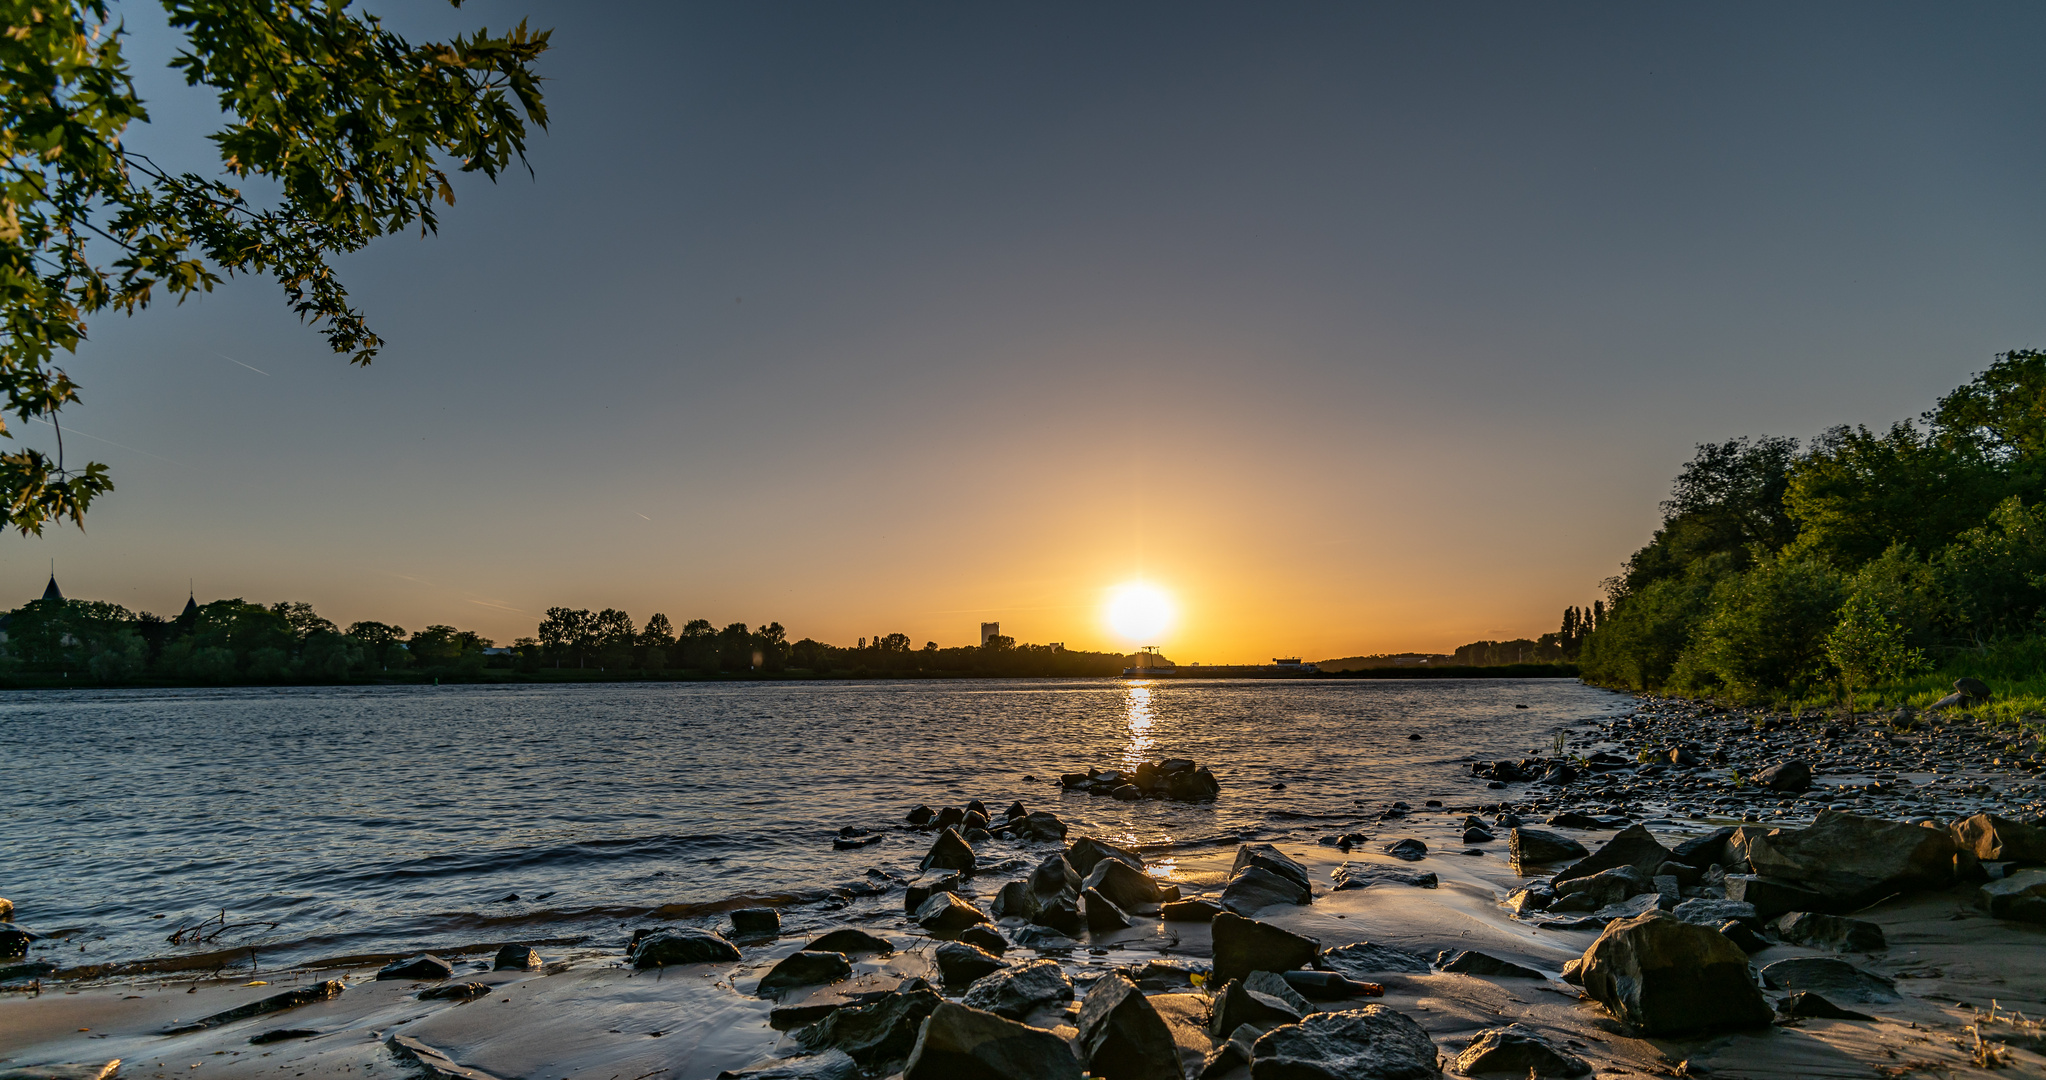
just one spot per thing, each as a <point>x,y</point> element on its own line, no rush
<point>1137,704</point>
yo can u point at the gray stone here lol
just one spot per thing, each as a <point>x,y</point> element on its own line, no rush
<point>960,963</point>
<point>1360,875</point>
<point>2020,897</point>
<point>1854,861</point>
<point>756,922</point>
<point>1371,1043</point>
<point>1125,887</point>
<point>1018,991</point>
<point>461,991</point>
<point>1122,1037</point>
<point>1365,959</point>
<point>1043,939</point>
<point>1536,847</point>
<point>961,1043</point>
<point>946,914</point>
<point>1806,1005</point>
<point>1231,1055</point>
<point>1594,891</point>
<point>1816,931</point>
<point>1534,897</point>
<point>875,1034</point>
<point>516,958</point>
<point>1195,910</point>
<point>1273,984</point>
<point>950,852</point>
<point>1063,914</point>
<point>1478,836</point>
<point>1245,945</point>
<point>1272,859</point>
<point>1770,897</point>
<point>1323,985</point>
<point>1238,1006</point>
<point>829,1065</point>
<point>1257,888</point>
<point>434,1064</point>
<point>1408,849</point>
<point>429,966</point>
<point>985,938</point>
<point>1040,826</point>
<point>1991,838</point>
<point>1102,915</point>
<point>1470,962</point>
<point>1705,911</point>
<point>919,893</point>
<point>1669,977</point>
<point>290,999</point>
<point>805,969</point>
<point>850,942</point>
<point>1837,979</point>
<point>1787,776</point>
<point>1086,851</point>
<point>1703,850</point>
<point>1633,847</point>
<point>1520,1050</point>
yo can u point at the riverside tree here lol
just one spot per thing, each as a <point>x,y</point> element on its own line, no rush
<point>356,127</point>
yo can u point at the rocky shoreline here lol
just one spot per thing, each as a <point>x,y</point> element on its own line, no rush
<point>1682,891</point>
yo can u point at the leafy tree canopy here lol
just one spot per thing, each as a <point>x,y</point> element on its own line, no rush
<point>356,126</point>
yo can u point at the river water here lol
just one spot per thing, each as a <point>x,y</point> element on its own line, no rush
<point>310,823</point>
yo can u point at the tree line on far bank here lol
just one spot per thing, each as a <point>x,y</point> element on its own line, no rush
<point>1861,562</point>
<point>236,642</point>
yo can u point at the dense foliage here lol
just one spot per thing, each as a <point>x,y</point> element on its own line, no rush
<point>351,125</point>
<point>1861,559</point>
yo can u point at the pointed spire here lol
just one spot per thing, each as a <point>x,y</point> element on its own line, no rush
<point>51,591</point>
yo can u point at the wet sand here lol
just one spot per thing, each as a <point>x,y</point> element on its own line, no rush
<point>588,1016</point>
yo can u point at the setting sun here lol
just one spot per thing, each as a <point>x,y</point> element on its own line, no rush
<point>1140,612</point>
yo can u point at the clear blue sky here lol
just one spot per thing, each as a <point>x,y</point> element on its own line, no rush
<point>1358,327</point>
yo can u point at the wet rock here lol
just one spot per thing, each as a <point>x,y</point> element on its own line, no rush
<point>961,1043</point>
<point>1854,861</point>
<point>918,893</point>
<point>1991,838</point>
<point>516,958</point>
<point>1237,1006</point>
<point>1122,1037</point>
<point>756,922</point>
<point>950,852</point>
<point>1015,811</point>
<point>428,966</point>
<point>1371,1043</point>
<point>1788,776</point>
<point>2020,897</point>
<point>961,964</point>
<point>6,910</point>
<point>1195,910</point>
<point>1013,901</point>
<point>805,969</point>
<point>1531,898</point>
<point>1634,847</point>
<point>1245,945</point>
<point>829,1065</point>
<point>1063,914</point>
<point>679,945</point>
<point>1365,959</point>
<point>946,914</point>
<point>1127,793</point>
<point>434,1064</point>
<point>1519,1050</point>
<point>1669,977</point>
<point>1043,939</point>
<point>984,938</point>
<point>1594,891</point>
<point>1408,849</point>
<point>1470,962</point>
<point>1102,915</point>
<point>1267,857</point>
<point>1535,847</point>
<point>1571,819</point>
<point>1817,931</point>
<point>1344,842</point>
<point>1770,897</point>
<point>1837,979</point>
<point>1744,935</point>
<point>1125,887</point>
<point>875,1034</point>
<point>1231,1055</point>
<point>14,943</point>
<point>1087,851</point>
<point>274,1035</point>
<point>1477,836</point>
<point>290,999</point>
<point>850,942</point>
<point>1041,826</point>
<point>920,815</point>
<point>461,991</point>
<point>1257,888</point>
<point>1356,875</point>
<point>1703,850</point>
<point>1806,1005</point>
<point>1018,991</point>
<point>1704,911</point>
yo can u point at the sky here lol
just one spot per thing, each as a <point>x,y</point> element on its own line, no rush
<point>1355,328</point>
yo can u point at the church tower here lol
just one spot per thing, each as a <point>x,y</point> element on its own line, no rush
<point>51,591</point>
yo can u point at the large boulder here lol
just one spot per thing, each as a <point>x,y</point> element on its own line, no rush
<point>1836,979</point>
<point>1041,826</point>
<point>1706,911</point>
<point>950,852</point>
<point>1817,931</point>
<point>916,893</point>
<point>1122,1037</point>
<point>1126,887</point>
<point>875,1034</point>
<point>1086,851</point>
<point>1594,891</point>
<point>1786,776</point>
<point>1371,1043</point>
<point>1246,945</point>
<point>1991,838</point>
<point>1101,914</point>
<point>1257,888</point>
<point>1194,910</point>
<point>1018,991</point>
<point>945,914</point>
<point>1360,875</point>
<point>2021,897</point>
<point>1237,1005</point>
<point>1669,977</point>
<point>961,964</point>
<point>1536,847</point>
<point>1770,897</point>
<point>683,945</point>
<point>1704,850</point>
<point>1270,858</point>
<point>805,969</point>
<point>1634,847</point>
<point>850,942</point>
<point>1364,959</point>
<point>1519,1050</point>
<point>1854,861</point>
<point>962,1043</point>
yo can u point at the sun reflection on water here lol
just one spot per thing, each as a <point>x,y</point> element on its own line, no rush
<point>1137,709</point>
